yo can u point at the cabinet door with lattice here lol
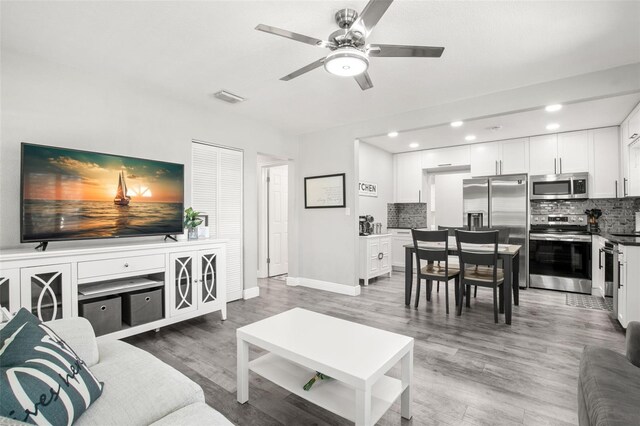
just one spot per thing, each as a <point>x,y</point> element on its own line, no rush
<point>46,291</point>
<point>183,276</point>
<point>10,289</point>
<point>211,292</point>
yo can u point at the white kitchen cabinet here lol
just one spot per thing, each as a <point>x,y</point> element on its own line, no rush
<point>485,158</point>
<point>399,238</point>
<point>408,177</point>
<point>604,178</point>
<point>446,157</point>
<point>515,156</point>
<point>633,124</point>
<point>500,158</point>
<point>573,152</point>
<point>597,265</point>
<point>375,253</point>
<point>559,153</point>
<point>183,270</point>
<point>633,159</point>
<point>629,286</point>
<point>543,152</point>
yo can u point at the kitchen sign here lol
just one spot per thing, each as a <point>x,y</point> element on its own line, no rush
<point>367,189</point>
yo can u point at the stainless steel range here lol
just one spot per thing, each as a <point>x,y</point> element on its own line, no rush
<point>560,253</point>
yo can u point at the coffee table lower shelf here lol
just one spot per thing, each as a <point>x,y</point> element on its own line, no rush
<point>331,395</point>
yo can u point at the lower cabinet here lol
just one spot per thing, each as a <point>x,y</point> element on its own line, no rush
<point>399,238</point>
<point>628,291</point>
<point>10,290</point>
<point>194,278</point>
<point>375,253</point>
<point>46,291</point>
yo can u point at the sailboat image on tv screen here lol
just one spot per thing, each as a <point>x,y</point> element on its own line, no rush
<point>122,199</point>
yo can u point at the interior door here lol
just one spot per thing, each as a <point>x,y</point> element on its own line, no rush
<point>278,221</point>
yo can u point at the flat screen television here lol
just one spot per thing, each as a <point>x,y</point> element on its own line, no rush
<point>67,194</point>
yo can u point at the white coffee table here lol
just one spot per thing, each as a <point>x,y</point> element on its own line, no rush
<point>356,357</point>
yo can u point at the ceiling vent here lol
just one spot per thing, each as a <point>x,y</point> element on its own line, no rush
<point>229,97</point>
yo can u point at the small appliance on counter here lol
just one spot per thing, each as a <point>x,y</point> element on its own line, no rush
<point>592,217</point>
<point>366,225</point>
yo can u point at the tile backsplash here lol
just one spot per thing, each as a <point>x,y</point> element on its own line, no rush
<point>406,215</point>
<point>618,215</point>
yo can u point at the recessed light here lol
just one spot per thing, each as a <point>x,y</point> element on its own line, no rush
<point>470,138</point>
<point>392,134</point>
<point>414,145</point>
<point>456,123</point>
<point>553,108</point>
<point>553,126</point>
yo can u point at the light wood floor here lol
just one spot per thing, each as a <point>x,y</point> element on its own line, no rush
<point>467,370</point>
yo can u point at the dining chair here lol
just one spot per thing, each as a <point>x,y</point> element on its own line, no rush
<point>479,266</point>
<point>437,267</point>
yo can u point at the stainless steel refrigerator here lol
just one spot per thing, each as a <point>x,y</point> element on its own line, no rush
<point>500,203</point>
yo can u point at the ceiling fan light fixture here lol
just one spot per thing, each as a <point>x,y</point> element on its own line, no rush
<point>346,62</point>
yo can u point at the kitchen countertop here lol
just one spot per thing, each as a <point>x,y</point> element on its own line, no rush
<point>625,241</point>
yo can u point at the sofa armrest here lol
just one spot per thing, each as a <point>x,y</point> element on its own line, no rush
<point>78,333</point>
<point>633,343</point>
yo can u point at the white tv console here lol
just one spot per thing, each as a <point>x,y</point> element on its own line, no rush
<point>192,275</point>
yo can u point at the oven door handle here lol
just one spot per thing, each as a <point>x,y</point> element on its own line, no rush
<point>567,238</point>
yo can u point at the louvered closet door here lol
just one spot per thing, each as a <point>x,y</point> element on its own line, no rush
<point>217,191</point>
<point>230,218</point>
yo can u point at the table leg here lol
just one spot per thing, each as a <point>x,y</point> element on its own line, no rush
<point>407,376</point>
<point>243,371</point>
<point>363,407</point>
<point>516,279</point>
<point>508,285</point>
<point>408,275</point>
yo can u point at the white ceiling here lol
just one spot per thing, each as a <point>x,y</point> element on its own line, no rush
<point>590,114</point>
<point>192,49</point>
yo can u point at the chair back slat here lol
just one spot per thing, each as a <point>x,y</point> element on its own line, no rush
<point>469,251</point>
<point>435,254</point>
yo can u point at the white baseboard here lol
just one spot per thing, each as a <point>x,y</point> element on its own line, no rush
<point>324,285</point>
<point>597,291</point>
<point>250,293</point>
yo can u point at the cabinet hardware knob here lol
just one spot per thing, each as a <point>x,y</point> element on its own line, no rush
<point>380,256</point>
<point>126,265</point>
<point>103,308</point>
<point>146,299</point>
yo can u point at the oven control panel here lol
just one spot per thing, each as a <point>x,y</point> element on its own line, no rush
<point>559,219</point>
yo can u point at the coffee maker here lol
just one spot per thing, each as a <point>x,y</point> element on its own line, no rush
<point>366,225</point>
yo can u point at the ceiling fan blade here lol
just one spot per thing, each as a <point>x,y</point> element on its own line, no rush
<point>305,69</point>
<point>364,81</point>
<point>294,36</point>
<point>402,51</point>
<point>370,16</point>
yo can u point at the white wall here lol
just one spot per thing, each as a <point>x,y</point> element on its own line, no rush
<point>49,104</point>
<point>376,166</point>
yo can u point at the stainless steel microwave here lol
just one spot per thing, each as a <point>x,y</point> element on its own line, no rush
<point>566,186</point>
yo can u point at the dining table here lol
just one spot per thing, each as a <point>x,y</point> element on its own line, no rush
<point>508,254</point>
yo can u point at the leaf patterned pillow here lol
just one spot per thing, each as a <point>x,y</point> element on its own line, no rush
<point>42,380</point>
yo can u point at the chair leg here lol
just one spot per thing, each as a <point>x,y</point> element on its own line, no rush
<point>446,294</point>
<point>501,298</point>
<point>457,289</point>
<point>438,287</point>
<point>429,287</point>
<point>417,292</point>
<point>495,304</point>
<point>460,287</point>
<point>475,292</point>
<point>468,291</point>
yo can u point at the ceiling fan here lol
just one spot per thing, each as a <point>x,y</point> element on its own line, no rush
<point>350,53</point>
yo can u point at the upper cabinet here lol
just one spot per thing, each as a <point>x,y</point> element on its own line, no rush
<point>445,157</point>
<point>559,153</point>
<point>633,124</point>
<point>500,158</point>
<point>408,177</point>
<point>573,153</point>
<point>604,181</point>
<point>543,155</point>
<point>629,168</point>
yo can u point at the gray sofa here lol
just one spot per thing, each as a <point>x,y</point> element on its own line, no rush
<point>139,389</point>
<point>609,384</point>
